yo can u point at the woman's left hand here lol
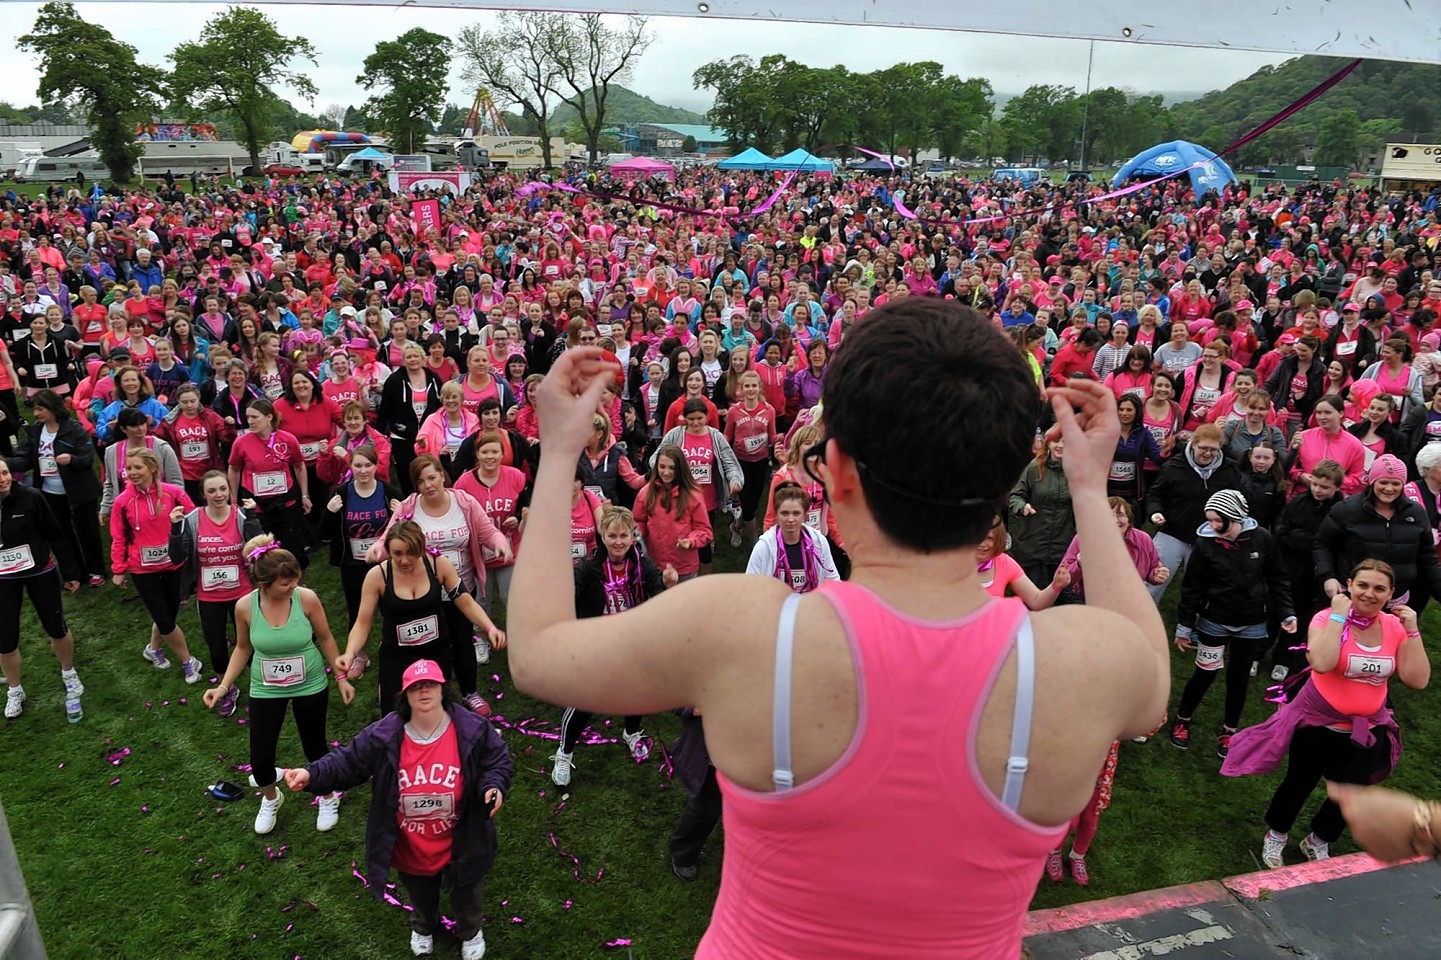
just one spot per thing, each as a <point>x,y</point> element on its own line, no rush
<point>347,692</point>
<point>1062,579</point>
<point>496,799</point>
<point>1289,625</point>
<point>497,637</point>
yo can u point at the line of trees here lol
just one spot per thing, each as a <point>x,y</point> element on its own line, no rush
<point>228,75</point>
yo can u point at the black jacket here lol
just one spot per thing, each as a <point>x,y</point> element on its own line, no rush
<point>1236,585</point>
<point>590,582</point>
<point>1278,385</point>
<point>1264,497</point>
<point>1353,531</point>
<point>81,484</point>
<point>26,521</point>
<point>1180,494</point>
<point>396,416</point>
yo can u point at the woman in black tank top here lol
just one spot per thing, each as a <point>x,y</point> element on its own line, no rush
<point>414,627</point>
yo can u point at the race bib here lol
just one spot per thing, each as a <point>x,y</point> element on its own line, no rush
<point>427,806</point>
<point>220,577</point>
<point>417,632</point>
<point>359,548</point>
<point>1346,349</point>
<point>577,551</point>
<point>701,473</point>
<point>270,483</point>
<point>453,556</point>
<point>282,671</point>
<point>158,556</point>
<point>1123,470</point>
<point>48,467</point>
<point>1210,658</point>
<point>226,244</point>
<point>380,285</point>
<point>419,407</point>
<point>16,560</point>
<point>1369,668</point>
<point>312,450</point>
<point>798,581</point>
<point>813,519</point>
<point>194,450</point>
<point>754,444</point>
<point>595,491</point>
<point>46,371</point>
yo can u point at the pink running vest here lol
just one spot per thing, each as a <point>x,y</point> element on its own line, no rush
<point>899,849</point>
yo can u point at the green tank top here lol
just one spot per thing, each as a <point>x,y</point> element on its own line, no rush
<point>286,663</point>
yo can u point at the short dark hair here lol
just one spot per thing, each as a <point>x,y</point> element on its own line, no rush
<point>967,451</point>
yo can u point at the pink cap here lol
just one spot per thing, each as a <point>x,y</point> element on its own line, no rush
<point>1351,306</point>
<point>1245,305</point>
<point>422,671</point>
<point>1286,338</point>
<point>1386,467</point>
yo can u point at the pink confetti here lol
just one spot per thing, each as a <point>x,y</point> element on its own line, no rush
<point>1301,646</point>
<point>145,808</point>
<point>619,942</point>
<point>182,701</point>
<point>566,905</point>
<point>517,920</point>
<point>117,758</point>
<point>115,781</point>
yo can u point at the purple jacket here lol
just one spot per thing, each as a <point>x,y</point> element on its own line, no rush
<point>806,385</point>
<point>375,753</point>
<point>689,753</point>
<point>1261,748</point>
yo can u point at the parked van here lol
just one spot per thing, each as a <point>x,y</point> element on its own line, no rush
<point>1029,176</point>
<point>55,169</point>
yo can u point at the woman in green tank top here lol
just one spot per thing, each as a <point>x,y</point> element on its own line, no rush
<point>281,631</point>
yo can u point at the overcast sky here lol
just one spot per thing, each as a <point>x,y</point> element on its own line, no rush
<point>344,36</point>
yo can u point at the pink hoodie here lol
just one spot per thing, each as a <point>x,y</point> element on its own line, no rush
<point>140,528</point>
<point>1344,448</point>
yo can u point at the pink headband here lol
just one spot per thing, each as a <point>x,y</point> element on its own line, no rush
<point>261,551</point>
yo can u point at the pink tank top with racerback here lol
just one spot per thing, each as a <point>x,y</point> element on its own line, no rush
<point>899,849</point>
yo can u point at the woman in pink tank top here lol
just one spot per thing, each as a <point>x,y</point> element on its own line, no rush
<point>875,735</point>
<point>1336,723</point>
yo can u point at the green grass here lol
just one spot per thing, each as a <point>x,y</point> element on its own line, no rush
<point>151,866</point>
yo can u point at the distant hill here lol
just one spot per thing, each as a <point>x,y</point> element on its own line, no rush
<point>627,106</point>
<point>1400,100</point>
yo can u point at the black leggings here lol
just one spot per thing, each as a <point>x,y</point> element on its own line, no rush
<point>402,453</point>
<point>352,580</point>
<point>81,523</point>
<point>758,475</point>
<point>702,812</point>
<point>285,521</point>
<point>44,591</point>
<point>466,902</point>
<point>462,648</point>
<point>1238,677</point>
<point>160,592</point>
<point>1318,752</point>
<point>572,724</point>
<point>217,619</point>
<point>267,716</point>
<point>319,496</point>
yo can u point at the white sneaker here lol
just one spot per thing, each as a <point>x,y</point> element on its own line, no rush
<point>482,650</point>
<point>474,948</point>
<point>735,533</point>
<point>639,748</point>
<point>156,657</point>
<point>1315,849</point>
<point>422,945</point>
<point>560,768</point>
<point>329,814</point>
<point>265,819</point>
<point>1272,849</point>
<point>1254,667</point>
<point>15,702</point>
<point>73,686</point>
<point>1279,673</point>
<point>191,668</point>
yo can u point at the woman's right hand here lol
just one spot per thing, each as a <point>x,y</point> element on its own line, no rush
<point>177,514</point>
<point>1027,510</point>
<point>1340,603</point>
<point>335,504</point>
<point>1333,590</point>
<point>297,779</point>
<point>211,697</point>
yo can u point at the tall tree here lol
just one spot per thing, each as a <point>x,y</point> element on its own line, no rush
<point>958,108</point>
<point>1340,140</point>
<point>240,56</point>
<point>410,74</point>
<point>591,56</point>
<point>513,61</point>
<point>85,67</point>
<point>745,106</point>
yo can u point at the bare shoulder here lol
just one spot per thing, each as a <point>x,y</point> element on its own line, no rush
<point>1098,656</point>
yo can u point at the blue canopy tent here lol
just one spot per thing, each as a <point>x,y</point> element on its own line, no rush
<point>1206,170</point>
<point>370,153</point>
<point>748,159</point>
<point>872,165</point>
<point>799,159</point>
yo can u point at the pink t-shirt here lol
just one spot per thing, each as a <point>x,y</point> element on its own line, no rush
<point>1003,571</point>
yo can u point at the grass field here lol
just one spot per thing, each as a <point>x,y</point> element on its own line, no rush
<point>133,859</point>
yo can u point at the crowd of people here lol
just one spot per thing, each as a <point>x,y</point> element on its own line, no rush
<point>226,381</point>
